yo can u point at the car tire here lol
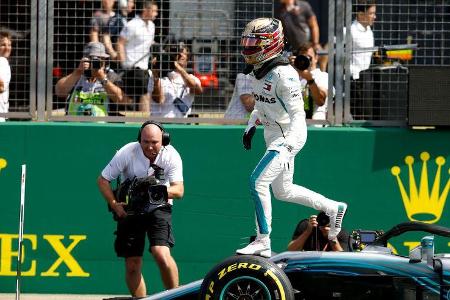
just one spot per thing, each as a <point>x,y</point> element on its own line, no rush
<point>246,277</point>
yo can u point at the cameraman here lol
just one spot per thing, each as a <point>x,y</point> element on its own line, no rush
<point>91,87</point>
<point>314,82</point>
<point>141,159</point>
<point>312,235</point>
<point>174,94</point>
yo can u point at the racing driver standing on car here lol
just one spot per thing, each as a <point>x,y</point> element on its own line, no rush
<point>279,107</point>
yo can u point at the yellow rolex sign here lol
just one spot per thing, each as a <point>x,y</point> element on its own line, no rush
<point>424,194</point>
<point>3,163</point>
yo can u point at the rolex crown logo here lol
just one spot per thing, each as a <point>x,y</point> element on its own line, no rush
<point>3,163</point>
<point>421,203</point>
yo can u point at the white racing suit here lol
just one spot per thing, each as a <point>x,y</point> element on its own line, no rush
<point>279,107</point>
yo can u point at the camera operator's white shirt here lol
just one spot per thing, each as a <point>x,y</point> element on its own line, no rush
<point>139,35</point>
<point>362,37</point>
<point>130,162</point>
<point>173,86</point>
<point>280,107</point>
<point>5,76</point>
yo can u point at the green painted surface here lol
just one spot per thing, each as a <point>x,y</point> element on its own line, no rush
<point>65,215</point>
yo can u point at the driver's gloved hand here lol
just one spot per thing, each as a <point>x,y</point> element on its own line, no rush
<point>247,137</point>
<point>285,155</point>
<point>250,130</point>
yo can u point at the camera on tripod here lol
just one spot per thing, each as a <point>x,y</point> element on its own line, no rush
<point>302,62</point>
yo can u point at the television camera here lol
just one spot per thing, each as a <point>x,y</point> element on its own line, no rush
<point>143,195</point>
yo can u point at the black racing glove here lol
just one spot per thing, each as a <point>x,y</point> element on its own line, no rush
<point>247,137</point>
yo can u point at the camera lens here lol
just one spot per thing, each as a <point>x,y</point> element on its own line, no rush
<point>323,219</point>
<point>87,73</point>
<point>156,196</point>
<point>96,63</point>
<point>302,62</point>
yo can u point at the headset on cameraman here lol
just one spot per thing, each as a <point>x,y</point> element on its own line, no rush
<point>165,134</point>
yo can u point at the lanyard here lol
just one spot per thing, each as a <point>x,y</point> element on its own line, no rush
<point>175,88</point>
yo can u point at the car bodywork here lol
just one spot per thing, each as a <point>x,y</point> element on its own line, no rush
<point>373,273</point>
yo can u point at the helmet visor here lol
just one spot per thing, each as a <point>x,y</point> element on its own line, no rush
<point>251,41</point>
<point>251,50</point>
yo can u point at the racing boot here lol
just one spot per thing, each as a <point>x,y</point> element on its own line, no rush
<point>336,221</point>
<point>260,246</point>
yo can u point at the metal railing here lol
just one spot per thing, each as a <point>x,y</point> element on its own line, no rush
<point>405,34</point>
<point>49,37</point>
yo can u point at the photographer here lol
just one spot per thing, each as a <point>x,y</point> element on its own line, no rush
<point>173,95</point>
<point>91,87</point>
<point>139,160</point>
<point>313,81</point>
<point>312,235</point>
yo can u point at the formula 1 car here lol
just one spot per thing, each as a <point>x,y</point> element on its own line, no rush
<point>369,271</point>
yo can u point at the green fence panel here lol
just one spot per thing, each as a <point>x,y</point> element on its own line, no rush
<point>68,242</point>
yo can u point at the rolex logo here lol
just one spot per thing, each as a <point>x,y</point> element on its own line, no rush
<point>421,203</point>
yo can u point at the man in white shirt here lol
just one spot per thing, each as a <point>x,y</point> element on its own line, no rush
<point>133,52</point>
<point>242,101</point>
<point>5,71</point>
<point>114,27</point>
<point>152,152</point>
<point>174,95</point>
<point>362,37</point>
<point>314,84</point>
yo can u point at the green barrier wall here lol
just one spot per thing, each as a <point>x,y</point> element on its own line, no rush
<point>68,246</point>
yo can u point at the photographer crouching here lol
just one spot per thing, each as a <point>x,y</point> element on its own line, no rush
<point>314,82</point>
<point>151,174</point>
<point>312,235</point>
<point>91,87</point>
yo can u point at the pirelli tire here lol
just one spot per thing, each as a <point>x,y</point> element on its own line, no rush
<point>246,277</point>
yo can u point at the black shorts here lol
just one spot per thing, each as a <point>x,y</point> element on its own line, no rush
<point>131,232</point>
<point>135,83</point>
